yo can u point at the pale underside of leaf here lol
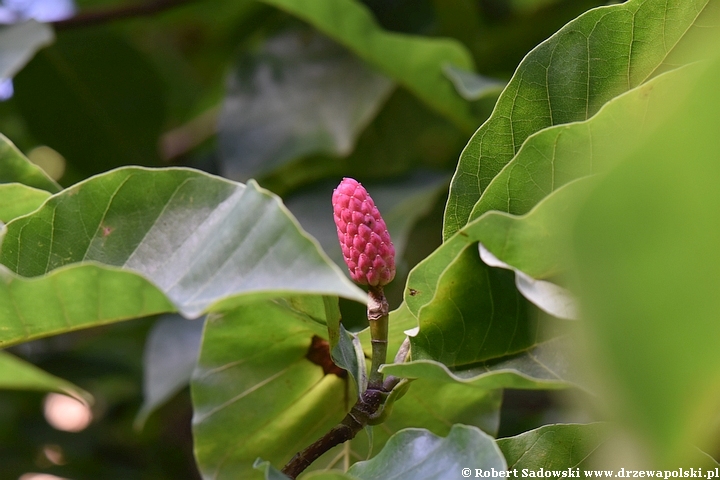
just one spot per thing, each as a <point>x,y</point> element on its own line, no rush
<point>545,365</point>
<point>201,239</point>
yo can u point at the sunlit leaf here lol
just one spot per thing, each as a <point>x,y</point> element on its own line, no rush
<point>567,78</point>
<point>73,297</point>
<point>467,311</point>
<point>254,384</point>
<point>557,155</point>
<point>200,239</point>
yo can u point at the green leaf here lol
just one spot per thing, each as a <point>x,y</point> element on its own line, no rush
<point>557,155</point>
<point>420,455</point>
<point>16,168</point>
<point>300,94</point>
<point>567,78</point>
<point>467,311</point>
<point>345,347</point>
<point>170,355</point>
<point>16,374</point>
<point>554,448</point>
<point>435,405</point>
<point>646,246</point>
<point>17,199</point>
<point>18,44</point>
<point>535,242</point>
<point>414,62</point>
<point>71,298</point>
<point>254,385</point>
<point>271,473</point>
<point>95,99</point>
<point>405,140</point>
<point>428,403</point>
<point>472,86</point>
<point>329,475</point>
<point>201,239</point>
<point>545,365</point>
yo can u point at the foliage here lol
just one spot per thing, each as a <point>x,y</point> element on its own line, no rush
<point>592,182</point>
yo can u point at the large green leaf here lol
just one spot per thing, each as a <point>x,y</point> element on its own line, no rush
<point>535,242</point>
<point>17,199</point>
<point>205,242</point>
<point>254,370</point>
<point>420,455</point>
<point>301,94</point>
<point>255,392</point>
<point>467,311</point>
<point>71,298</point>
<point>554,448</point>
<point>554,156</point>
<point>414,62</point>
<point>199,238</point>
<point>95,99</point>
<point>19,42</point>
<point>646,244</point>
<point>16,374</point>
<point>567,78</point>
<point>16,168</point>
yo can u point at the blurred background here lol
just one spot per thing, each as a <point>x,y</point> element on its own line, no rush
<point>242,89</point>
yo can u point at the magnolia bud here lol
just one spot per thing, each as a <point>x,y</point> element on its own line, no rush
<point>364,239</point>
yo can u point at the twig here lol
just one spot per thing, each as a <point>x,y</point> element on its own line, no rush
<point>104,15</point>
<point>358,417</point>
<point>371,400</point>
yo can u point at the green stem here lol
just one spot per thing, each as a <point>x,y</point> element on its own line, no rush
<point>377,312</point>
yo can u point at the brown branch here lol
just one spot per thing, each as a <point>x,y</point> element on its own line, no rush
<point>371,400</point>
<point>110,14</point>
<point>356,419</point>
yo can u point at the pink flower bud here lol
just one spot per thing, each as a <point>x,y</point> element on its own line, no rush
<point>364,239</point>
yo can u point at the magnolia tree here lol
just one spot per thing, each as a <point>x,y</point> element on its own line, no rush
<point>579,251</point>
